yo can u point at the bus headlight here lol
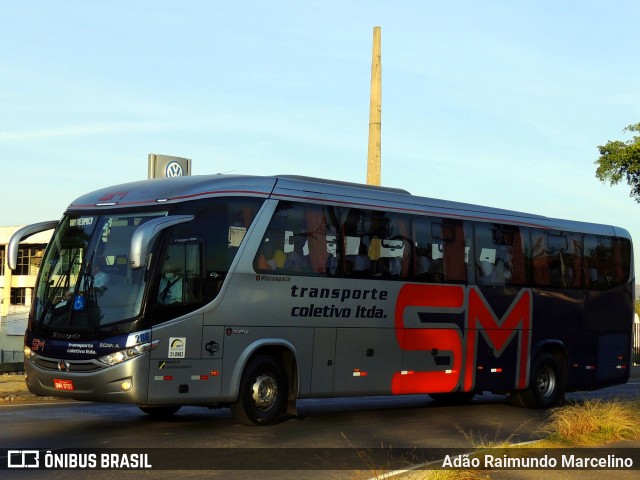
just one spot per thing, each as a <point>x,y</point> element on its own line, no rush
<point>128,353</point>
<point>28,353</point>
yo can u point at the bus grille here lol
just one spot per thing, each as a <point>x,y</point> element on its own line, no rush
<point>71,365</point>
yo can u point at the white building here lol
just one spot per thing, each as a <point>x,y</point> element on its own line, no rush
<point>16,290</point>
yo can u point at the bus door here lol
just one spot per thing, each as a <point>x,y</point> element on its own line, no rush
<point>179,372</point>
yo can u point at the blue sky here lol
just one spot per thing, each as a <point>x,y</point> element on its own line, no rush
<point>489,102</point>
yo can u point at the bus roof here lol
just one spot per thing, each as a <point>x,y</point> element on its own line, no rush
<point>290,187</point>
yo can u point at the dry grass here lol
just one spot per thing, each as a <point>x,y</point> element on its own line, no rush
<point>484,442</point>
<point>589,423</point>
<point>424,475</point>
<point>447,475</point>
<point>594,422</point>
<point>408,466</point>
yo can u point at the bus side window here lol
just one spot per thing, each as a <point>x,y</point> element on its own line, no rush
<point>428,260</point>
<point>539,258</point>
<point>181,279</point>
<point>376,245</point>
<point>599,266</point>
<point>490,266</point>
<point>501,254</point>
<point>557,259</point>
<point>621,260</point>
<point>300,240</point>
<point>442,247</point>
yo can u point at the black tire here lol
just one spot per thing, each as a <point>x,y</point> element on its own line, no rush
<point>160,412</point>
<point>546,385</point>
<point>453,398</point>
<point>263,392</point>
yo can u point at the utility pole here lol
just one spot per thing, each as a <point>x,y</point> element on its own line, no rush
<point>374,161</point>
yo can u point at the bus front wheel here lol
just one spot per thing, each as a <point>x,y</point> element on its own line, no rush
<point>263,392</point>
<point>546,387</point>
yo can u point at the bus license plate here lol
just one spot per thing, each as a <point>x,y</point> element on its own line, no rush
<point>61,384</point>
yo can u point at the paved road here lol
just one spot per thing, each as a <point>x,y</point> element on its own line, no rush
<point>335,433</point>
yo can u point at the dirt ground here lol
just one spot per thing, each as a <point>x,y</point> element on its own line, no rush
<point>14,390</point>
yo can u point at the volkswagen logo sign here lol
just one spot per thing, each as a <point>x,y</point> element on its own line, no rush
<point>173,169</point>
<point>63,366</point>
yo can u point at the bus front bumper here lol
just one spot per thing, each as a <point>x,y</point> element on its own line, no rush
<point>126,382</point>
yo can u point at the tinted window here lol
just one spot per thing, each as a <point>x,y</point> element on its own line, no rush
<point>501,253</point>
<point>599,262</point>
<point>301,239</point>
<point>557,259</point>
<point>197,255</point>
<point>181,279</point>
<point>442,249</point>
<point>218,229</point>
<point>621,260</point>
<point>375,244</point>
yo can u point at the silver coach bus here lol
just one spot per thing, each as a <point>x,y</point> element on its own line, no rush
<point>252,292</point>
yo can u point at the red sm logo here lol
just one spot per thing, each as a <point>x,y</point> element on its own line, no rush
<point>460,344</point>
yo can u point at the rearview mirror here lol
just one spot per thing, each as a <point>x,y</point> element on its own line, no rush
<point>142,237</point>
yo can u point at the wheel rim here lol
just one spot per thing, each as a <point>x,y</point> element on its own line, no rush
<point>546,381</point>
<point>264,392</point>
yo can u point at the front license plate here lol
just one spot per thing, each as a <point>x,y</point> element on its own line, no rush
<point>62,384</point>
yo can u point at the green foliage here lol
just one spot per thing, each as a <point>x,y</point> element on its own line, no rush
<point>621,161</point>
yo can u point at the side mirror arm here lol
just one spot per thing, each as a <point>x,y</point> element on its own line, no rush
<point>25,232</point>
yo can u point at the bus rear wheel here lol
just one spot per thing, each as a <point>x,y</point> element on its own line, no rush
<point>263,392</point>
<point>546,387</point>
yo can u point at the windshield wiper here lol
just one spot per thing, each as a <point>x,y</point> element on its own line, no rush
<point>50,295</point>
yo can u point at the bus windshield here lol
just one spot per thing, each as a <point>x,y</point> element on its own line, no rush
<point>85,281</point>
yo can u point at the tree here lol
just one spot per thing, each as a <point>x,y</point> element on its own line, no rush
<point>621,160</point>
